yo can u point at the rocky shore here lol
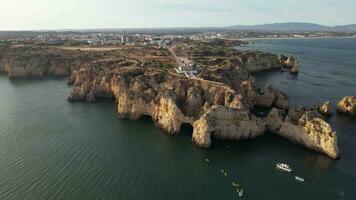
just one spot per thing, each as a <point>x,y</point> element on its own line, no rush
<point>256,62</point>
<point>221,103</point>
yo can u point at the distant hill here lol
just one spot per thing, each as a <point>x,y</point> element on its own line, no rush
<point>275,27</point>
<point>346,28</point>
<point>294,27</point>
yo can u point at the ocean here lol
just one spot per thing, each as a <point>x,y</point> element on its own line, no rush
<point>52,149</point>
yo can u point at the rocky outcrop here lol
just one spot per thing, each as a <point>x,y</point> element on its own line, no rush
<point>226,123</point>
<point>267,98</point>
<point>38,62</point>
<point>326,109</point>
<point>221,105</point>
<point>225,43</point>
<point>311,131</point>
<point>257,61</point>
<point>290,63</point>
<point>213,109</point>
<point>347,106</point>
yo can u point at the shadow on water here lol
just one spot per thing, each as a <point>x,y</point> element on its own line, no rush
<point>28,80</point>
<point>145,119</point>
<point>260,111</point>
<point>186,129</point>
<point>269,146</point>
<point>277,147</point>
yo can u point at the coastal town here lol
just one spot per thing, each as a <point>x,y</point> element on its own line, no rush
<point>105,38</point>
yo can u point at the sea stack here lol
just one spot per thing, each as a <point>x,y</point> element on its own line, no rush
<point>347,106</point>
<point>325,109</point>
<point>290,63</point>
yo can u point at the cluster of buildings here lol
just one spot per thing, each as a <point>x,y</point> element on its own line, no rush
<point>92,39</point>
<point>206,36</point>
<point>161,39</point>
<point>158,41</point>
<point>102,39</point>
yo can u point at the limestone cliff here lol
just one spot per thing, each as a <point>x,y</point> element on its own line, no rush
<point>256,61</point>
<point>311,131</point>
<point>226,123</point>
<point>213,109</point>
<point>260,61</point>
<point>38,62</point>
<point>220,103</point>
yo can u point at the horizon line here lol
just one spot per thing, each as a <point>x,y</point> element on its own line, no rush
<point>165,27</point>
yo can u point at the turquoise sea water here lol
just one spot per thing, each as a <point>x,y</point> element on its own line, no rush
<point>51,149</point>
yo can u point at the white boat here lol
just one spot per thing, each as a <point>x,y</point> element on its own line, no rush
<point>299,178</point>
<point>283,167</point>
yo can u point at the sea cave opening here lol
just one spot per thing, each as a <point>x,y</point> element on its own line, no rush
<point>260,111</point>
<point>146,118</point>
<point>186,129</point>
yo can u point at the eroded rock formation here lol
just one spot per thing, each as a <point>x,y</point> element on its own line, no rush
<point>310,130</point>
<point>213,109</point>
<point>24,62</point>
<point>261,61</point>
<point>255,62</point>
<point>290,63</point>
<point>326,109</point>
<point>347,106</point>
<point>219,104</point>
<point>226,123</point>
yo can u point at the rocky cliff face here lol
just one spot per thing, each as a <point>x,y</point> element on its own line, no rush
<point>226,123</point>
<point>255,62</point>
<point>23,62</point>
<point>259,61</point>
<point>214,110</point>
<point>221,104</point>
<point>310,130</point>
<point>347,106</point>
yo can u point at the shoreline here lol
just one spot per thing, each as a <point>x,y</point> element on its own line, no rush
<point>294,38</point>
<point>225,111</point>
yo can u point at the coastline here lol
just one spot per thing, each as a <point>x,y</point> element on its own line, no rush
<point>99,132</point>
<point>295,38</point>
<point>225,111</point>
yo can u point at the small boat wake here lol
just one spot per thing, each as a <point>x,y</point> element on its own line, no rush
<point>286,168</point>
<point>235,184</point>
<point>239,191</point>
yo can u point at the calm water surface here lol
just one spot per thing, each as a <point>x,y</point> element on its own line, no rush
<point>50,149</point>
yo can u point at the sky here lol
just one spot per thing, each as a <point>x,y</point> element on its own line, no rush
<point>78,14</point>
